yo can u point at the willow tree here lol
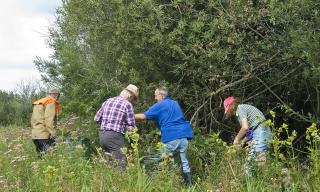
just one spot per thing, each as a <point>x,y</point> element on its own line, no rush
<point>263,51</point>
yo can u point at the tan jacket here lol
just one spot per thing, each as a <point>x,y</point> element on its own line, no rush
<point>44,118</point>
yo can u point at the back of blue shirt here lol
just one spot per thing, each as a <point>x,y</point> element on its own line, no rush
<point>169,117</point>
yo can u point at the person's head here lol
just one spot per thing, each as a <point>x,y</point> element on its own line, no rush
<point>160,93</point>
<point>131,92</point>
<point>55,93</point>
<point>230,105</point>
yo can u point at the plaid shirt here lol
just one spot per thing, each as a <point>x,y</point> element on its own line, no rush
<point>115,114</point>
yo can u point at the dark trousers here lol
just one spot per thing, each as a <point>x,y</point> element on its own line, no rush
<point>43,145</point>
<point>112,142</point>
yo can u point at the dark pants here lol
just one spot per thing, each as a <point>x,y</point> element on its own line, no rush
<point>112,142</point>
<point>43,145</point>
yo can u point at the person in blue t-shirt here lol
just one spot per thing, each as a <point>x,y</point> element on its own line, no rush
<point>175,129</point>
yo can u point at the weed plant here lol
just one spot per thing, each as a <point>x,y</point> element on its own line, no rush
<point>77,163</point>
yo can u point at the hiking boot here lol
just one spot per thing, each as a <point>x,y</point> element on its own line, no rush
<point>187,179</point>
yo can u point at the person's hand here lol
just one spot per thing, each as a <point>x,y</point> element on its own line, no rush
<point>236,141</point>
<point>244,142</point>
<point>248,146</point>
<point>53,135</point>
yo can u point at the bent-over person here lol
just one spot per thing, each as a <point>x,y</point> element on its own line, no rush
<point>116,116</point>
<point>253,130</point>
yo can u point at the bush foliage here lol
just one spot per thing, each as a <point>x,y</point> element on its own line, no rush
<point>263,51</point>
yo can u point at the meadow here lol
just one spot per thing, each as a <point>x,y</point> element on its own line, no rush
<point>76,163</point>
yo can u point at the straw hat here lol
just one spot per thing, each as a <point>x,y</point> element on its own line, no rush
<point>133,89</point>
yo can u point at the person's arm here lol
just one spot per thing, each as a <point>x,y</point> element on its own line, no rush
<point>49,116</point>
<point>140,116</point>
<point>98,117</point>
<point>131,123</point>
<point>242,132</point>
<point>151,114</point>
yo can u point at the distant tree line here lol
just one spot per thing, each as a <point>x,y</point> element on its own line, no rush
<point>16,106</point>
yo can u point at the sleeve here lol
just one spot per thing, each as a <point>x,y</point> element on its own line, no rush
<point>98,116</point>
<point>49,118</point>
<point>153,112</point>
<point>241,114</point>
<point>131,122</point>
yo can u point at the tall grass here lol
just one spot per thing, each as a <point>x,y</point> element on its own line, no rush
<point>75,164</point>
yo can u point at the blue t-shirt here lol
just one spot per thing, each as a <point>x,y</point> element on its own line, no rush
<point>169,117</point>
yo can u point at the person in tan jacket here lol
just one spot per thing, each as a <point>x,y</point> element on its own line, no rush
<point>43,121</point>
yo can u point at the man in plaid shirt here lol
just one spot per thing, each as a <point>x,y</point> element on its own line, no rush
<point>116,116</point>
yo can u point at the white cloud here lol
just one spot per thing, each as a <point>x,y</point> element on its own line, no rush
<point>23,25</point>
<point>11,77</point>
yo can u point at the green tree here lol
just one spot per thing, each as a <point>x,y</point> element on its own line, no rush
<point>263,51</point>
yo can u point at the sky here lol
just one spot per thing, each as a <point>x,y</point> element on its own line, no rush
<point>23,29</point>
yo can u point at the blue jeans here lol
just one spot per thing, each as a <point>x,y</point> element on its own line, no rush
<point>261,139</point>
<point>180,146</point>
<point>260,143</point>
